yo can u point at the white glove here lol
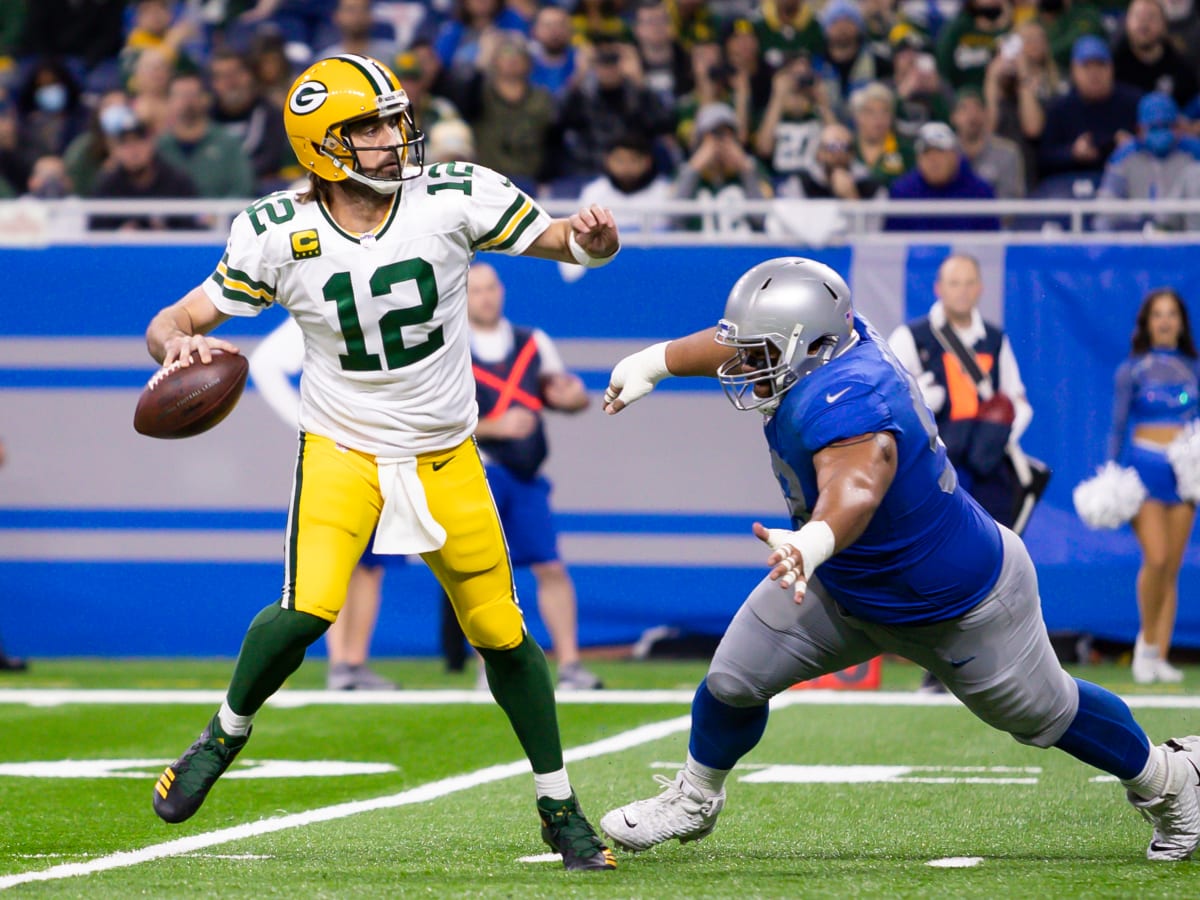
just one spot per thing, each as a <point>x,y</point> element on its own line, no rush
<point>635,376</point>
<point>796,554</point>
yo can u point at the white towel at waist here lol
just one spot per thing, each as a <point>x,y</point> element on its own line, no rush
<point>406,526</point>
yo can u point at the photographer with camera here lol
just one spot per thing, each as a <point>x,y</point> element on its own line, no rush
<point>1019,81</point>
<point>798,109</point>
<point>921,95</point>
<point>720,167</point>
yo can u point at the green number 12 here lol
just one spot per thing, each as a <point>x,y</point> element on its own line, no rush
<point>339,289</point>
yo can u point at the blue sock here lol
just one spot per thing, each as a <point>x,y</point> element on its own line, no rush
<point>723,734</point>
<point>1104,734</point>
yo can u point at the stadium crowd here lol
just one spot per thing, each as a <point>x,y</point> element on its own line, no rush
<point>624,99</point>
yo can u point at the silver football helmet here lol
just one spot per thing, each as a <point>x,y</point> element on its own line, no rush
<point>784,318</point>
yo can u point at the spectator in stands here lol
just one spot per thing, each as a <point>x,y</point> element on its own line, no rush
<point>418,70</point>
<point>241,109</point>
<point>1186,187</point>
<point>513,120</point>
<point>599,22</point>
<point>148,86</point>
<point>449,140</point>
<point>787,28</point>
<point>87,153</point>
<point>1144,57</point>
<point>996,160</point>
<point>1183,25</point>
<point>798,110</point>
<point>212,158</point>
<point>67,29</point>
<point>457,41</point>
<point>556,63</point>
<point>1016,89</point>
<point>1084,126</point>
<point>303,22</point>
<point>137,171</point>
<point>693,23</point>
<point>1150,166</point>
<point>51,105</point>
<point>16,155</point>
<point>1064,22</point>
<point>968,42</point>
<point>354,24</point>
<point>1155,399</point>
<point>920,94</point>
<point>666,66</point>
<point>749,77</point>
<point>885,154</point>
<point>832,173</point>
<point>630,178</point>
<point>154,27</point>
<point>942,173</point>
<point>49,179</point>
<point>720,167</point>
<point>852,60</point>
<point>613,100</point>
<point>271,66</point>
<point>879,18</point>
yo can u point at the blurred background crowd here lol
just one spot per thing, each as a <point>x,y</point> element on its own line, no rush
<point>610,100</point>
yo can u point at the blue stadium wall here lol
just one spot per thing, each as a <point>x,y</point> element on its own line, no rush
<point>115,544</point>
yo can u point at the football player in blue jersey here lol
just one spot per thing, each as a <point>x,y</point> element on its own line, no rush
<point>889,554</point>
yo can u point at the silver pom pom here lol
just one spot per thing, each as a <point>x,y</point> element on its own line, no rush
<point>1110,498</point>
<point>1184,454</point>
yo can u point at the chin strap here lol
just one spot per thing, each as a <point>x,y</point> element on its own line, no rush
<point>378,185</point>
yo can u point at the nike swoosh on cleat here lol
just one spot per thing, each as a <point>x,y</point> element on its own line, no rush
<point>627,822</point>
<point>1196,770</point>
<point>959,663</point>
<point>438,466</point>
<point>830,398</point>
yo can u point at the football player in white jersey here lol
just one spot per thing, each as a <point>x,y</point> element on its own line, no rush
<point>371,261</point>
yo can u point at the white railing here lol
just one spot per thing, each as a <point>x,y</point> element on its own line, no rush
<point>33,223</point>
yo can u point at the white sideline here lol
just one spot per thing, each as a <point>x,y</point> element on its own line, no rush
<point>294,699</point>
<point>632,738</point>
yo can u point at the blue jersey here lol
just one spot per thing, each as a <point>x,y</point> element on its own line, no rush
<point>930,552</point>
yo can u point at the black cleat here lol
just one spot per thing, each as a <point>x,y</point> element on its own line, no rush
<point>183,785</point>
<point>568,832</point>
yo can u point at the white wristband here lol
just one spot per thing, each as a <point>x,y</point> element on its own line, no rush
<point>584,258</point>
<point>815,543</point>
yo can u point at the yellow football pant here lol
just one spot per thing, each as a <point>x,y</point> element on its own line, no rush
<point>336,504</point>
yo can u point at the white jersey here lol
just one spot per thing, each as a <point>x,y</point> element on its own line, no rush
<point>387,356</point>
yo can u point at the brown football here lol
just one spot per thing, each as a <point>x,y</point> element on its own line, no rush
<point>181,401</point>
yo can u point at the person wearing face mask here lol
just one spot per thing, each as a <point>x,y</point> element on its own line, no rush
<point>630,177</point>
<point>1065,22</point>
<point>53,113</point>
<point>969,41</point>
<point>1148,167</point>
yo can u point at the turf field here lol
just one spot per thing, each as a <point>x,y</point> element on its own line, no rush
<point>426,794</point>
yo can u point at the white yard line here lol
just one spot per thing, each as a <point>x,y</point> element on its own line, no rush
<point>425,792</point>
<point>289,699</point>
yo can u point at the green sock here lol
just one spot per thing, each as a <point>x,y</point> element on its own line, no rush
<point>271,651</point>
<point>520,682</point>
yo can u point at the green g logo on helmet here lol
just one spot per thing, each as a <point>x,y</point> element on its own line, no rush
<point>308,97</point>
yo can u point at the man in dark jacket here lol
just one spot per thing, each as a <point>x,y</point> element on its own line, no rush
<point>1084,126</point>
<point>942,173</point>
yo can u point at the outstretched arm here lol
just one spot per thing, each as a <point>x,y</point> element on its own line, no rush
<point>588,238</point>
<point>636,375</point>
<point>852,478</point>
<point>179,329</point>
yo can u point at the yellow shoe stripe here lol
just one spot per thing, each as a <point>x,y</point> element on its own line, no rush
<point>169,774</point>
<point>162,791</point>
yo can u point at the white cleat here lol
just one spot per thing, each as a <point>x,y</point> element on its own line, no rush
<point>1176,814</point>
<point>680,811</point>
<point>1167,673</point>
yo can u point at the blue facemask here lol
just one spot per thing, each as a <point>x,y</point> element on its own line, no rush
<point>51,98</point>
<point>1160,141</point>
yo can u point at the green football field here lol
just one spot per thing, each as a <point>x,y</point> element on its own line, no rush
<point>424,793</point>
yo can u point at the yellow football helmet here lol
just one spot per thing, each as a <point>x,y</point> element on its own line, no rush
<point>347,90</point>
